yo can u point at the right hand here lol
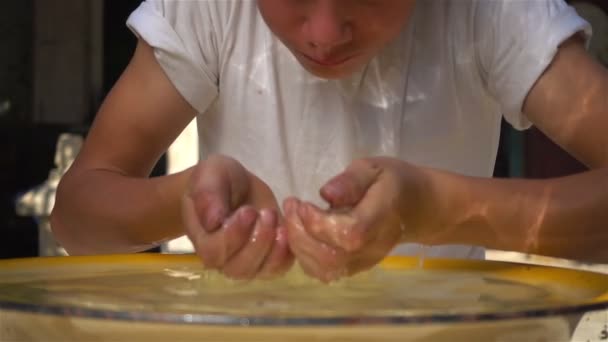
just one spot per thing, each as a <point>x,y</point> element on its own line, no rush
<point>234,221</point>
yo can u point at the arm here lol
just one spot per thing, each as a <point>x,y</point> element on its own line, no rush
<point>378,202</point>
<point>105,202</point>
<point>563,217</point>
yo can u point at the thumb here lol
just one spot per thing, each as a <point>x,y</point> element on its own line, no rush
<point>217,187</point>
<point>349,187</point>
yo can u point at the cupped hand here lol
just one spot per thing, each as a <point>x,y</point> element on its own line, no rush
<point>374,204</point>
<point>234,222</point>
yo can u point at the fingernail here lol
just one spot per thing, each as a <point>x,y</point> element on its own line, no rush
<point>247,216</point>
<point>215,216</point>
<point>288,206</point>
<point>303,210</point>
<point>268,218</point>
<point>333,191</point>
<point>281,237</point>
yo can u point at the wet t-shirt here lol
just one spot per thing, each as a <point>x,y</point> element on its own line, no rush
<point>433,97</point>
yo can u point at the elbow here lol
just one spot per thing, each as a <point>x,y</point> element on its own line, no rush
<point>64,223</point>
<point>60,231</point>
<point>65,237</point>
<point>81,227</point>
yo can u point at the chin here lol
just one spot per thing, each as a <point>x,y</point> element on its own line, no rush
<point>330,75</point>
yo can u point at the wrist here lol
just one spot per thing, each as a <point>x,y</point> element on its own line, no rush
<point>441,213</point>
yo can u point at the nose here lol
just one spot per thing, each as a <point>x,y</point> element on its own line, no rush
<point>325,28</point>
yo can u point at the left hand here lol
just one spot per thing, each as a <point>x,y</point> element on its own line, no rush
<point>375,204</point>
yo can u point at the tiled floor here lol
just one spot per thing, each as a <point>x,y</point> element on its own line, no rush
<point>593,327</point>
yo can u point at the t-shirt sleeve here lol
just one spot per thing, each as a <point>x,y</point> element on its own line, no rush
<point>516,41</point>
<point>185,45</point>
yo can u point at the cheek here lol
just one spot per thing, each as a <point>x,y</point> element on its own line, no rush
<point>385,23</point>
<point>282,20</point>
<point>374,37</point>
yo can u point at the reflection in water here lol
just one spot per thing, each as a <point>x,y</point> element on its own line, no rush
<point>185,288</point>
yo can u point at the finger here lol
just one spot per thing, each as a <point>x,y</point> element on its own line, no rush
<point>348,188</point>
<point>313,269</point>
<point>195,232</point>
<point>365,261</point>
<point>219,185</point>
<point>280,259</point>
<point>246,263</point>
<point>192,225</point>
<point>318,259</point>
<point>340,230</point>
<point>300,241</point>
<point>210,193</point>
<point>310,267</point>
<point>218,247</point>
<point>260,194</point>
<point>378,216</point>
<point>365,246</point>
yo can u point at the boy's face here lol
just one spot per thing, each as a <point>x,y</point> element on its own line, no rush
<point>334,38</point>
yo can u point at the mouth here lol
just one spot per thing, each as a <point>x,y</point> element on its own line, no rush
<point>328,62</point>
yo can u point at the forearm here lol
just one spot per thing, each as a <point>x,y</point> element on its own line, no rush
<point>99,211</point>
<point>562,217</point>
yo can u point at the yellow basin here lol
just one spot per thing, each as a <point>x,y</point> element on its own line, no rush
<point>153,297</point>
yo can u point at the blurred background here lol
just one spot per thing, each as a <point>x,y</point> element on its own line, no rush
<point>59,58</point>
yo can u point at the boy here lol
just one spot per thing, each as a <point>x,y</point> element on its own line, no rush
<point>390,109</point>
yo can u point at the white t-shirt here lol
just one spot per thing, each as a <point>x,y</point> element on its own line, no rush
<point>433,97</point>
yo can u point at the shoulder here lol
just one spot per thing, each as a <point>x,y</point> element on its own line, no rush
<point>196,15</point>
<point>517,40</point>
<point>518,15</point>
